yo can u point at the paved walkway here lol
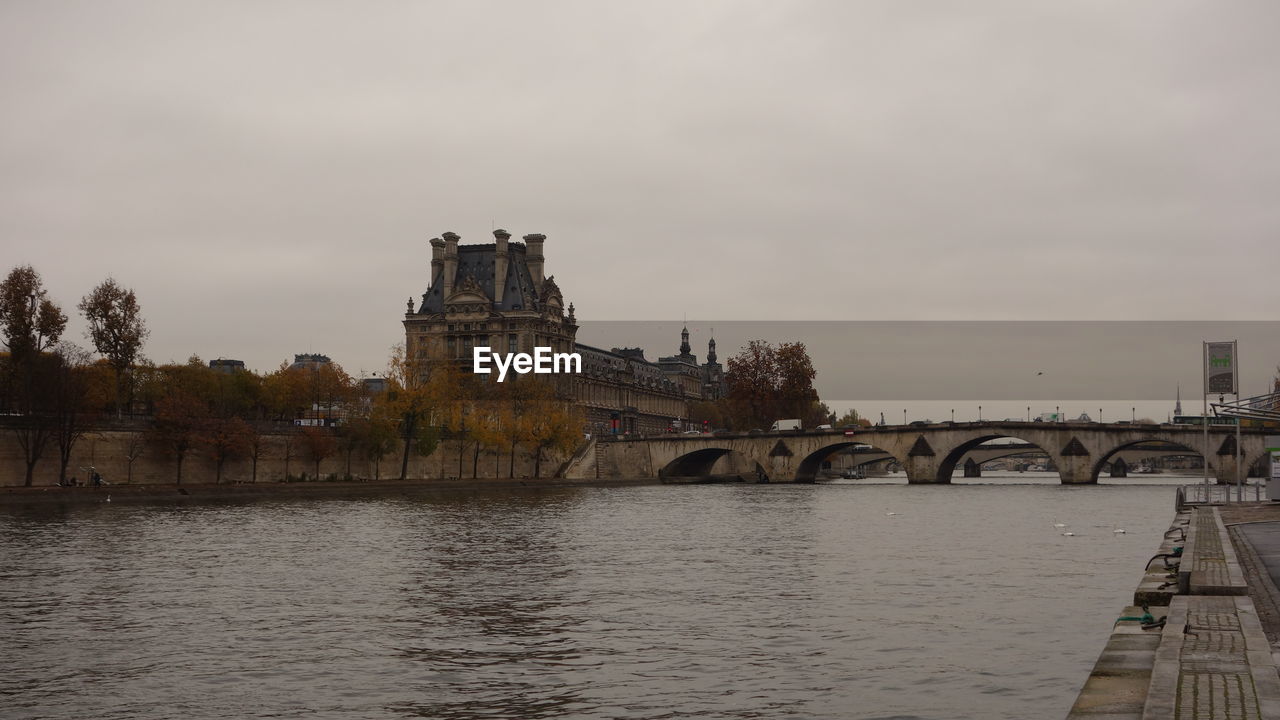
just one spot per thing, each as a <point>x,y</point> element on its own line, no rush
<point>1264,539</point>
<point>1209,562</point>
<point>1213,662</point>
<point>1214,658</point>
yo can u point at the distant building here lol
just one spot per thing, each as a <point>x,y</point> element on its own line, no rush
<point>498,296</point>
<point>309,361</point>
<point>227,366</point>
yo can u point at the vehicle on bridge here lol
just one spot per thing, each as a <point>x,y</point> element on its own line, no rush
<point>789,424</point>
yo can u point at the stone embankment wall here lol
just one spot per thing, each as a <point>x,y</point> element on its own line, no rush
<point>109,449</point>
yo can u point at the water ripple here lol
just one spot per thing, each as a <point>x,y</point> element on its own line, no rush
<point>638,603</point>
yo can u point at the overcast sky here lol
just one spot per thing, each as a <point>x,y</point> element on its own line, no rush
<point>266,176</point>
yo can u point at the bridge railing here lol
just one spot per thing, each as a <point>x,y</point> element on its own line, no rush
<point>1201,494</point>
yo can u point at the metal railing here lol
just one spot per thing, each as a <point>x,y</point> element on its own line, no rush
<point>1201,494</point>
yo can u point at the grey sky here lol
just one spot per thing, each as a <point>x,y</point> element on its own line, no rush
<point>266,175</point>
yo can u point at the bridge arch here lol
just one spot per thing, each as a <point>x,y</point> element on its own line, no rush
<point>702,463</point>
<point>1176,449</point>
<point>807,469</point>
<point>947,465</point>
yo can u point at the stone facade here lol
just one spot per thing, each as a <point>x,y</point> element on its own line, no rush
<point>498,296</point>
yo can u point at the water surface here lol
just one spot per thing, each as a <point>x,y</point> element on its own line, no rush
<point>857,600</point>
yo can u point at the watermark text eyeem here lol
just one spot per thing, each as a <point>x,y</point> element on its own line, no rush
<point>542,362</point>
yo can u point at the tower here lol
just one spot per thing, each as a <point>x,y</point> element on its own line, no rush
<point>684,341</point>
<point>711,350</point>
<point>1177,407</point>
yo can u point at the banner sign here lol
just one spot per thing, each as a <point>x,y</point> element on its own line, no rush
<point>1273,447</point>
<point>1220,368</point>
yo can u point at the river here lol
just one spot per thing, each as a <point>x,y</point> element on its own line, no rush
<point>865,599</point>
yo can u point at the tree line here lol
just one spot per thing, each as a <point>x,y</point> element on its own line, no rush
<point>54,391</point>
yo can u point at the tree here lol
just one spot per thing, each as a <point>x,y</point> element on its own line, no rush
<point>289,443</point>
<point>486,433</point>
<point>329,387</point>
<point>513,403</point>
<point>133,450</point>
<point>117,331</point>
<point>551,425</point>
<point>374,434</point>
<point>225,438</point>
<point>285,392</point>
<point>750,379</point>
<point>461,399</point>
<point>30,323</point>
<point>794,383</point>
<point>765,383</point>
<point>414,391</point>
<point>852,418</point>
<point>320,444</point>
<point>70,397</point>
<point>711,413</point>
<point>178,420</point>
<point>255,447</point>
<point>35,426</point>
<point>818,414</point>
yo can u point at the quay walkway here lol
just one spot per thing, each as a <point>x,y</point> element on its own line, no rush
<point>1215,654</point>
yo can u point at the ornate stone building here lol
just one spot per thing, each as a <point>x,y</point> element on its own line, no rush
<point>496,295</point>
<point>489,295</point>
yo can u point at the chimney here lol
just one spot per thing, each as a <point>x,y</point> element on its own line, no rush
<point>500,237</point>
<point>534,256</point>
<point>437,258</point>
<point>450,262</point>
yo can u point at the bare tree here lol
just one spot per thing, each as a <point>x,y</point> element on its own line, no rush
<point>257,446</point>
<point>133,450</point>
<point>288,443</point>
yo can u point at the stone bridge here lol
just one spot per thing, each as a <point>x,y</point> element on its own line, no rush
<point>928,453</point>
<point>864,455</point>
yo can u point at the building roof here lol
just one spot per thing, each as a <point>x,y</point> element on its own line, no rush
<point>478,262</point>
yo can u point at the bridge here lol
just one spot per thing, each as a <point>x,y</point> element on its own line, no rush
<point>929,453</point>
<point>859,456</point>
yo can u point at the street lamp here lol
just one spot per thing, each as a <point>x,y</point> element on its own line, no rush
<point>1057,413</point>
<point>904,416</point>
<point>979,413</point>
<point>1028,413</point>
<point>953,414</point>
<point>1133,416</point>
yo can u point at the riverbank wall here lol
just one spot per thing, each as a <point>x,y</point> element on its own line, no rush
<point>130,455</point>
<point>200,492</point>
